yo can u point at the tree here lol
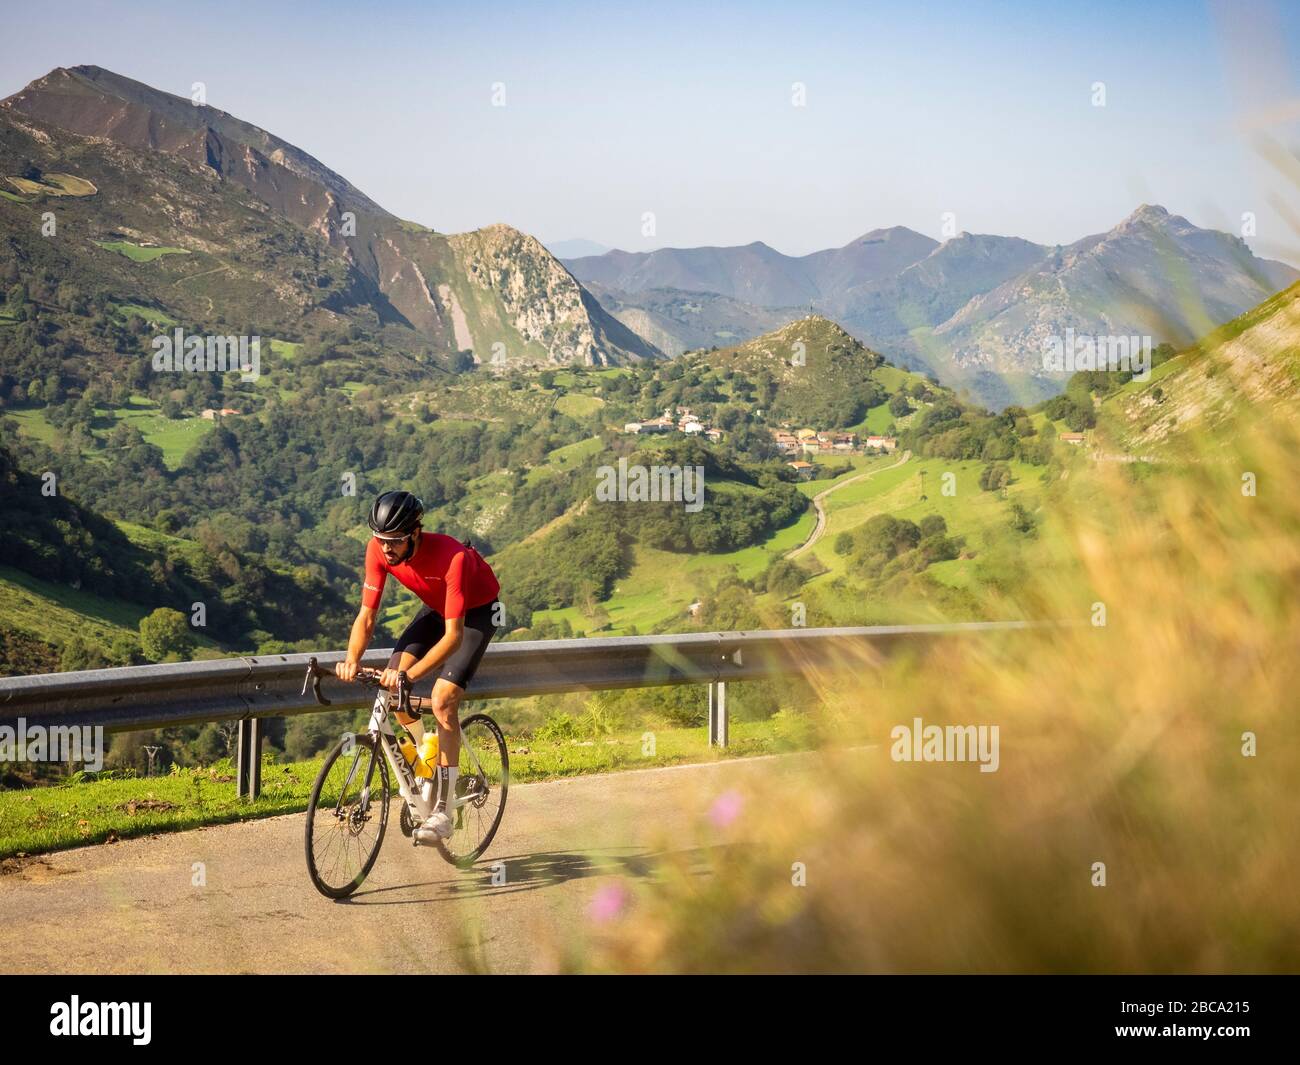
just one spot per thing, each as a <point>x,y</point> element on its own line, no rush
<point>164,633</point>
<point>784,578</point>
<point>899,406</point>
<point>1022,521</point>
<point>933,525</point>
<point>994,478</point>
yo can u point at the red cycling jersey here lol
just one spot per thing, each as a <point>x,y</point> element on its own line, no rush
<point>447,576</point>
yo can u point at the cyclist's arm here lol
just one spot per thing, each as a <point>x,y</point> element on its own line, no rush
<point>372,593</point>
<point>362,629</point>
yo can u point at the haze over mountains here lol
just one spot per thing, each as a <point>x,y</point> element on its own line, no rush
<point>974,310</point>
<point>274,231</point>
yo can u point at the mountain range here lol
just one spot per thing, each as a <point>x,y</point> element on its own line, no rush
<point>974,310</point>
<point>264,233</point>
<point>193,216</point>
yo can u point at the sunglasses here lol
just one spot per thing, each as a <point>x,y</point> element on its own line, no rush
<point>393,541</point>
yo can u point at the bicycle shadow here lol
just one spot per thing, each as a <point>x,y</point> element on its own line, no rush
<point>510,874</point>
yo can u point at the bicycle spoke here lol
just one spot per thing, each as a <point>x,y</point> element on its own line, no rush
<point>342,842</point>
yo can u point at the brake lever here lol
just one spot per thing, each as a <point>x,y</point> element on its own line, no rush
<point>313,678</point>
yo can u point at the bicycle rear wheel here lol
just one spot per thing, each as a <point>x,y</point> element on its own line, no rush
<point>483,781</point>
<point>347,815</point>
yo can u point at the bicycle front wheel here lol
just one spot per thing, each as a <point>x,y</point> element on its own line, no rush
<point>347,815</point>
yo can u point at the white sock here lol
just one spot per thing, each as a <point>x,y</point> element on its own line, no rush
<point>448,774</point>
<point>416,729</point>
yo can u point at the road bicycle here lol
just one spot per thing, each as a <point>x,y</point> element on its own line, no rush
<point>348,811</point>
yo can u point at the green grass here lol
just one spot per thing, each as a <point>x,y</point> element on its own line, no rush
<point>174,436</point>
<point>574,454</point>
<point>153,540</point>
<point>579,406</point>
<point>877,421</point>
<point>75,814</point>
<point>562,458</point>
<point>56,613</point>
<point>284,349</point>
<point>14,196</point>
<point>661,584</point>
<point>971,512</point>
<point>151,315</point>
<point>31,422</point>
<point>860,463</point>
<point>588,378</point>
<point>1158,374</point>
<point>54,185</point>
<point>892,378</point>
<point>138,253</point>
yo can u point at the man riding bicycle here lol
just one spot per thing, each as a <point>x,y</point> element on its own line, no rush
<point>448,636</point>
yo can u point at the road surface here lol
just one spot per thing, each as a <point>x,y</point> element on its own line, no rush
<point>134,906</point>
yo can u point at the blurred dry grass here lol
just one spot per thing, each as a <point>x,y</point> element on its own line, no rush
<point>1120,744</point>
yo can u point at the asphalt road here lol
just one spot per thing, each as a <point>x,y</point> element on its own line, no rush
<point>134,906</point>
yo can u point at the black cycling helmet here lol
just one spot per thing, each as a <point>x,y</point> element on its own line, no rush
<point>395,514</point>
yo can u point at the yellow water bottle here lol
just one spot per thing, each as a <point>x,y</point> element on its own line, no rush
<point>427,763</point>
<point>407,748</point>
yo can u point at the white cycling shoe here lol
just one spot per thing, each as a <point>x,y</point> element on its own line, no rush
<point>438,827</point>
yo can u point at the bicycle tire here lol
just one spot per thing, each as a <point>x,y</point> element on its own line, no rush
<point>314,854</point>
<point>468,858</point>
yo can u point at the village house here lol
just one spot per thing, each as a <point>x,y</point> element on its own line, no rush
<point>803,469</point>
<point>1072,438</point>
<point>882,443</point>
<point>211,414</point>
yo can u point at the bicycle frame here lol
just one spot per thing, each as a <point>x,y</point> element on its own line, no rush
<point>381,729</point>
<point>410,786</point>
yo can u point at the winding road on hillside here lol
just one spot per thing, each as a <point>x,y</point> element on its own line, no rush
<point>820,529</point>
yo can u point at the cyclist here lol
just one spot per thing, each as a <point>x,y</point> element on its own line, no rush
<point>448,636</point>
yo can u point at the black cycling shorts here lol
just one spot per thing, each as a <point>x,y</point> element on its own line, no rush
<point>428,627</point>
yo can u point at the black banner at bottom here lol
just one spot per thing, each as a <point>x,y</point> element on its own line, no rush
<point>143,1014</point>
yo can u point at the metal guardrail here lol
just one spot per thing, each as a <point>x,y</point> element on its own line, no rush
<point>260,686</point>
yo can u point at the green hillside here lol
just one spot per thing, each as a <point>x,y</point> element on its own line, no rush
<point>1246,370</point>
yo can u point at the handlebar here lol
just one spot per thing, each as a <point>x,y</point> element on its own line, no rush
<point>364,675</point>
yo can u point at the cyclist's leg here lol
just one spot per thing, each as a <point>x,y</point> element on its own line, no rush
<point>425,630</point>
<point>449,690</point>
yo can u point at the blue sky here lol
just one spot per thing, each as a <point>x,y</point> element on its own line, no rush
<point>983,110</point>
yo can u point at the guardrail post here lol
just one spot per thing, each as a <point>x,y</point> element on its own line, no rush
<point>250,758</point>
<point>718,713</point>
